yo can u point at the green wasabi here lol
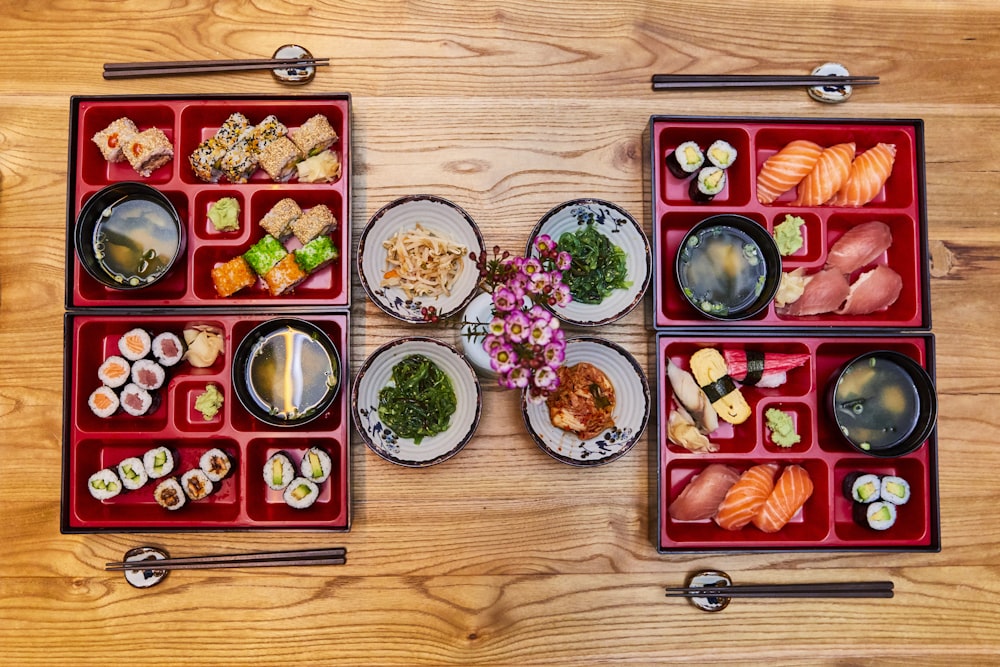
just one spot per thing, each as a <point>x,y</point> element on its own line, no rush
<point>788,235</point>
<point>209,402</point>
<point>224,214</point>
<point>782,427</point>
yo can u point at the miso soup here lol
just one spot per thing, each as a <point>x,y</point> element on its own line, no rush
<point>290,374</point>
<point>721,270</point>
<point>135,241</point>
<point>877,403</point>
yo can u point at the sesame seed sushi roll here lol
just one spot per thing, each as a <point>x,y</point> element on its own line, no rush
<point>279,158</point>
<point>861,487</point>
<point>206,160</point>
<point>135,344</point>
<point>278,220</point>
<point>232,276</point>
<point>895,490</point>
<point>264,254</point>
<point>316,254</point>
<point>169,494</point>
<point>709,183</point>
<point>148,374</point>
<point>168,349</point>
<point>239,164</point>
<point>284,276</point>
<point>232,129</point>
<point>314,222</point>
<point>111,139</point>
<point>103,402</point>
<point>314,136</point>
<point>301,493</point>
<point>265,132</point>
<point>114,372</point>
<point>104,484</point>
<point>685,160</point>
<point>278,471</point>
<point>216,464</point>
<point>148,150</point>
<point>316,465</point>
<point>132,473</point>
<point>878,515</point>
<point>158,462</point>
<point>721,154</point>
<point>196,484</point>
<point>135,400</point>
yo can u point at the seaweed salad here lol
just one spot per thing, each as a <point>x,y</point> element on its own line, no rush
<point>599,266</point>
<point>419,402</point>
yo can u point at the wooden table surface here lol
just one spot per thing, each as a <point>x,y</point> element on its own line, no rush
<point>501,555</point>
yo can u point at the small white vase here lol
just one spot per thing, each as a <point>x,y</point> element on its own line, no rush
<point>480,309</point>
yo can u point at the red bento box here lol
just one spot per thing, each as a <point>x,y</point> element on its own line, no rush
<point>241,500</point>
<point>187,121</point>
<point>825,522</point>
<point>900,205</point>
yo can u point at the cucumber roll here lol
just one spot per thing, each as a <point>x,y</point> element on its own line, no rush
<point>862,487</point>
<point>158,462</point>
<point>709,183</point>
<point>895,490</point>
<point>104,484</point>
<point>685,160</point>
<point>133,473</point>
<point>301,493</point>
<point>168,494</point>
<point>721,154</point>
<point>316,465</point>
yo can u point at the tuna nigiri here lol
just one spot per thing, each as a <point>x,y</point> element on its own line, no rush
<point>826,178</point>
<point>859,246</point>
<point>790,493</point>
<point>873,290</point>
<point>745,498</point>
<point>782,171</point>
<point>824,292</point>
<point>701,498</point>
<point>868,174</point>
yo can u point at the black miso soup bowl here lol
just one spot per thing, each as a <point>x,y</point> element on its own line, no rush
<point>768,248</point>
<point>926,408</point>
<point>101,206</point>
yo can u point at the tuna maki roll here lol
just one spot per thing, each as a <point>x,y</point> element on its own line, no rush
<point>264,254</point>
<point>196,484</point>
<point>861,487</point>
<point>685,160</point>
<point>316,465</point>
<point>721,154</point>
<point>158,462</point>
<point>135,344</point>
<point>168,494</point>
<point>104,484</point>
<point>895,490</point>
<point>301,493</point>
<point>135,400</point>
<point>148,374</point>
<point>103,402</point>
<point>216,464</point>
<point>316,254</point>
<point>877,515</point>
<point>709,183</point>
<point>278,471</point>
<point>132,473</point>
<point>168,349</point>
<point>114,372</point>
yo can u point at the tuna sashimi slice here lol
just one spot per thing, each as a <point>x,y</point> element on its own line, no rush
<point>790,493</point>
<point>873,290</point>
<point>746,496</point>
<point>701,498</point>
<point>827,177</point>
<point>782,171</point>
<point>869,172</point>
<point>824,292</point>
<point>859,246</point>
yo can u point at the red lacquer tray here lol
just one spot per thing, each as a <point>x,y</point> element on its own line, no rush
<point>900,204</point>
<point>825,522</point>
<point>187,121</point>
<point>242,500</point>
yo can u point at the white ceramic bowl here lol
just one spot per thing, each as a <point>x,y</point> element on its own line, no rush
<point>623,230</point>
<point>376,373</point>
<point>631,412</point>
<point>435,214</point>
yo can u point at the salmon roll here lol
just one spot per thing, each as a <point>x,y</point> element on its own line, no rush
<point>279,159</point>
<point>135,344</point>
<point>278,220</point>
<point>103,402</point>
<point>114,372</point>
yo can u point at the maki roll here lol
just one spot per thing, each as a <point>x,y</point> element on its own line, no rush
<point>265,133</point>
<point>316,465</point>
<point>878,515</point>
<point>103,402</point>
<point>279,158</point>
<point>721,154</point>
<point>104,484</point>
<point>278,221</point>
<point>148,374</point>
<point>132,473</point>
<point>685,160</point>
<point>158,462</point>
<point>216,464</point>
<point>316,221</point>
<point>301,493</point>
<point>112,138</point>
<point>232,129</point>
<point>861,487</point>
<point>264,254</point>
<point>135,400</point>
<point>239,163</point>
<point>206,160</point>
<point>231,277</point>
<point>316,254</point>
<point>710,182</point>
<point>284,276</point>
<point>314,136</point>
<point>278,471</point>
<point>148,150</point>
<point>196,484</point>
<point>135,344</point>
<point>168,349</point>
<point>168,494</point>
<point>895,490</point>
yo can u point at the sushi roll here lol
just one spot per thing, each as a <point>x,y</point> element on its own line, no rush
<point>216,464</point>
<point>104,484</point>
<point>314,222</point>
<point>196,484</point>
<point>239,163</point>
<point>148,150</point>
<point>132,473</point>
<point>314,136</point>
<point>112,138</point>
<point>878,515</point>
<point>168,494</point>
<point>861,487</point>
<point>148,374</point>
<point>264,254</point>
<point>135,344</point>
<point>103,402</point>
<point>158,462</point>
<point>135,400</point>
<point>709,183</point>
<point>278,158</point>
<point>265,133</point>
<point>168,349</point>
<point>316,465</point>
<point>895,490</point>
<point>231,130</point>
<point>316,254</point>
<point>114,372</point>
<point>278,471</point>
<point>301,493</point>
<point>231,277</point>
<point>278,221</point>
<point>284,276</point>
<point>685,160</point>
<point>721,154</point>
<point>206,160</point>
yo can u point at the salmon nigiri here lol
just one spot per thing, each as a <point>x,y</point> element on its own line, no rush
<point>868,174</point>
<point>791,492</point>
<point>827,177</point>
<point>745,497</point>
<point>783,170</point>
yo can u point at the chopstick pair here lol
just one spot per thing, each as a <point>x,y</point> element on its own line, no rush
<point>330,556</point>
<point>860,589</point>
<point>165,68</point>
<point>691,81</point>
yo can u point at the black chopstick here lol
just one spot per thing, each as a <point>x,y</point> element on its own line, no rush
<point>689,81</point>
<point>870,589</point>
<point>331,556</point>
<point>173,64</point>
<point>209,69</point>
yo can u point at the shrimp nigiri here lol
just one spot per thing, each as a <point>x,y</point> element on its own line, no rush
<point>783,170</point>
<point>827,177</point>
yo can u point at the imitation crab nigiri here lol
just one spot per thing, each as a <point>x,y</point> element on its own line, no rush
<point>868,174</point>
<point>782,171</point>
<point>745,498</point>
<point>791,491</point>
<point>859,246</point>
<point>827,177</point>
<point>761,369</point>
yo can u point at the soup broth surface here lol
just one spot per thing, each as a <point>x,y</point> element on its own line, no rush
<point>290,373</point>
<point>135,241</point>
<point>721,270</point>
<point>877,403</point>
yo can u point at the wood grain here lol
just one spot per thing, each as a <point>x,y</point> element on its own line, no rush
<point>501,556</point>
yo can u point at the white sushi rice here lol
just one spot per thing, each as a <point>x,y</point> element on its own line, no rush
<point>157,470</point>
<point>279,481</point>
<point>169,494</point>
<point>301,493</point>
<point>216,464</point>
<point>148,374</point>
<point>112,400</point>
<point>104,484</point>
<point>132,473</point>
<point>316,465</point>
